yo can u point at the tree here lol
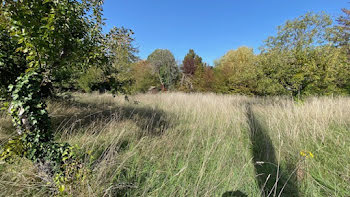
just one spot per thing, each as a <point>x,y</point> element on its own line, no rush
<point>51,35</point>
<point>190,65</point>
<point>236,71</point>
<point>143,76</point>
<point>122,55</point>
<point>303,59</point>
<point>112,72</point>
<point>92,79</point>
<point>204,79</point>
<point>12,63</point>
<point>191,62</point>
<point>301,33</point>
<point>165,67</point>
<point>342,35</point>
<point>272,72</point>
<point>344,27</point>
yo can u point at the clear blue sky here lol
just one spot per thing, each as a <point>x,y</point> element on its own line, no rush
<point>210,27</point>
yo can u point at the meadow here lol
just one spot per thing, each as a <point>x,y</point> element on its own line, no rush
<point>177,144</point>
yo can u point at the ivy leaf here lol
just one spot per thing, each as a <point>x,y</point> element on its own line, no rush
<point>15,96</point>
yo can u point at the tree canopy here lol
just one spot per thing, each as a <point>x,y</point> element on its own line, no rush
<point>165,67</point>
<point>303,59</point>
<point>48,43</point>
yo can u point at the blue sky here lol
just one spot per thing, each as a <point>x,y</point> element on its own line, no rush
<point>210,27</point>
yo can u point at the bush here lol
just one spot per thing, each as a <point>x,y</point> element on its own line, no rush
<point>90,80</point>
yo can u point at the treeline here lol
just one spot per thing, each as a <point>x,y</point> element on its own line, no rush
<point>308,56</point>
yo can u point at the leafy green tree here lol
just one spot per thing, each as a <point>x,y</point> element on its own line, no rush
<point>301,33</point>
<point>342,35</point>
<point>330,71</point>
<point>112,70</point>
<point>122,55</point>
<point>12,63</point>
<point>204,79</point>
<point>92,79</point>
<point>236,71</point>
<point>302,58</point>
<point>51,35</point>
<point>143,76</point>
<point>344,28</point>
<point>271,73</point>
<point>165,67</point>
<point>119,46</point>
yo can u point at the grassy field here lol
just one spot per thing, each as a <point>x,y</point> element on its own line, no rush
<point>177,144</point>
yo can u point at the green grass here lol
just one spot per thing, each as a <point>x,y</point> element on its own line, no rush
<point>179,144</point>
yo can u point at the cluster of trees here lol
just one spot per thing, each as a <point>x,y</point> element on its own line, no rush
<point>308,56</point>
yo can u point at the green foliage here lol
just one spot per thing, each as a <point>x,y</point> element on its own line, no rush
<point>237,72</point>
<point>68,41</point>
<point>165,67</point>
<point>121,54</point>
<point>308,56</point>
<point>27,108</point>
<point>49,34</point>
<point>343,27</point>
<point>302,60</point>
<point>12,63</point>
<point>113,71</point>
<point>35,139</point>
<point>119,47</point>
<point>301,33</point>
<point>91,79</point>
<point>144,77</point>
<point>204,79</point>
<point>342,35</point>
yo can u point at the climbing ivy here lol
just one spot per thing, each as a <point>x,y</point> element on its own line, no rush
<point>50,34</point>
<point>29,116</point>
<point>35,139</point>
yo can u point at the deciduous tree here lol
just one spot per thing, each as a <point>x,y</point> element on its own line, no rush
<point>192,68</point>
<point>236,71</point>
<point>165,67</point>
<point>51,35</point>
<point>143,76</point>
<point>303,59</point>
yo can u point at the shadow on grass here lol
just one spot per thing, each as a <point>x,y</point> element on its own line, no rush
<point>272,179</point>
<point>151,121</point>
<point>236,193</point>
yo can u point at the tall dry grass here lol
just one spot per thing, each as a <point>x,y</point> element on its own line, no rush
<point>178,144</point>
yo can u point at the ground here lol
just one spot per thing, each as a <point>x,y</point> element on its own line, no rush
<point>177,144</point>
